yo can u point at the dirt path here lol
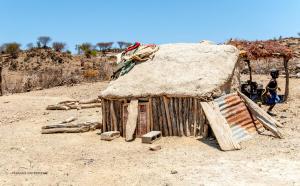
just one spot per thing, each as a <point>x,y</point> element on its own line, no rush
<point>83,159</point>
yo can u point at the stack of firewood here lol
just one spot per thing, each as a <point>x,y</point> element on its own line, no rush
<point>75,104</point>
<point>66,127</point>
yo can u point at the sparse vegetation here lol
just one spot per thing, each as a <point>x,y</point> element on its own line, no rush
<point>43,41</point>
<point>11,48</point>
<point>123,44</point>
<point>58,46</point>
<point>105,45</point>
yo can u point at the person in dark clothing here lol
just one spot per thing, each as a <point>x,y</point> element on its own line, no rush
<point>272,97</point>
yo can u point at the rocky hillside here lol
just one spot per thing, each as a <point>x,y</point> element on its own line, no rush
<point>44,68</point>
<point>293,43</point>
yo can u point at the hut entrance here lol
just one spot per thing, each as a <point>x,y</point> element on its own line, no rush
<point>143,118</point>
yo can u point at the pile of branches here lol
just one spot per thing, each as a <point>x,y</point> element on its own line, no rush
<point>75,104</point>
<point>262,49</point>
<point>66,127</point>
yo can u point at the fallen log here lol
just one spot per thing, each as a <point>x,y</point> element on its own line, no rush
<point>57,107</point>
<point>66,130</point>
<point>266,120</point>
<point>90,125</point>
<point>94,100</point>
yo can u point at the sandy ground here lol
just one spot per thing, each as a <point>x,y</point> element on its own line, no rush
<point>29,158</point>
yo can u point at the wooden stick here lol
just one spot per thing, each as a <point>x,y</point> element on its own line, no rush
<point>93,100</point>
<point>188,132</point>
<point>164,116</point>
<point>57,107</point>
<point>185,116</point>
<point>159,112</point>
<point>113,116</point>
<point>66,130</point>
<point>195,109</point>
<point>180,115</point>
<point>103,116</point>
<point>155,115</point>
<point>150,114</point>
<point>172,117</point>
<point>183,111</point>
<point>176,104</point>
<point>166,104</point>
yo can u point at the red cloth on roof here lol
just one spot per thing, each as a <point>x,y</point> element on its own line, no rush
<point>132,47</point>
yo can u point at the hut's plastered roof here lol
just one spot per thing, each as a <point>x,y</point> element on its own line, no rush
<point>182,69</point>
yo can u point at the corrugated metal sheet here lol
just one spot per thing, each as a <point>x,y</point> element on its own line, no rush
<point>242,124</point>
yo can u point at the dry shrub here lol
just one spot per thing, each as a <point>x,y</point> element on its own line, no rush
<point>91,74</point>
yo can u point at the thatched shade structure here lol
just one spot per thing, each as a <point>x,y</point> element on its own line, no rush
<point>169,89</point>
<point>253,50</point>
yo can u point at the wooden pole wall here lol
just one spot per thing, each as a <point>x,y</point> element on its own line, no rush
<point>172,116</point>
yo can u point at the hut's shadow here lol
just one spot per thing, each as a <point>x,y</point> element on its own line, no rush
<point>212,143</point>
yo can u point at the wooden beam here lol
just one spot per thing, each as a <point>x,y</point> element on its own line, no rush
<point>166,103</point>
<point>219,126</point>
<point>132,119</point>
<point>265,119</point>
<point>113,116</point>
<point>1,93</point>
<point>287,78</point>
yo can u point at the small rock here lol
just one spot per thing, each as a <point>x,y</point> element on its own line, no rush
<point>283,116</point>
<point>6,102</point>
<point>174,172</point>
<point>45,113</point>
<point>154,147</point>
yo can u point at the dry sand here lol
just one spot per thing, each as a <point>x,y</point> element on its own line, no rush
<point>83,159</point>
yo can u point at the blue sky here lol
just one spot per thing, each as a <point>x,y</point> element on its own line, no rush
<point>147,21</point>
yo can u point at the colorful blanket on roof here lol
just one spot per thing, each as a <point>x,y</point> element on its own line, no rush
<point>132,55</point>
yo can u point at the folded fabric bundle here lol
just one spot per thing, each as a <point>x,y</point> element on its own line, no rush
<point>132,55</point>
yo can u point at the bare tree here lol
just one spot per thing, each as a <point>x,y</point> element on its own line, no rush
<point>105,45</point>
<point>44,41</point>
<point>58,46</point>
<point>121,44</point>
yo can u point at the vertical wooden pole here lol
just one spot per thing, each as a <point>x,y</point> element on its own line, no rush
<point>164,117</point>
<point>103,115</point>
<point>113,116</point>
<point>1,93</point>
<point>150,114</point>
<point>195,116</point>
<point>166,104</point>
<point>287,78</point>
<point>182,129</point>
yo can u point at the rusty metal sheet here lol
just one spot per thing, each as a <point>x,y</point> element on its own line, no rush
<point>242,124</point>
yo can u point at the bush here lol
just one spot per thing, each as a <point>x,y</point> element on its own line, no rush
<point>58,46</point>
<point>87,49</point>
<point>90,73</point>
<point>11,48</point>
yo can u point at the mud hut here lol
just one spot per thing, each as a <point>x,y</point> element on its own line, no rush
<point>169,88</point>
